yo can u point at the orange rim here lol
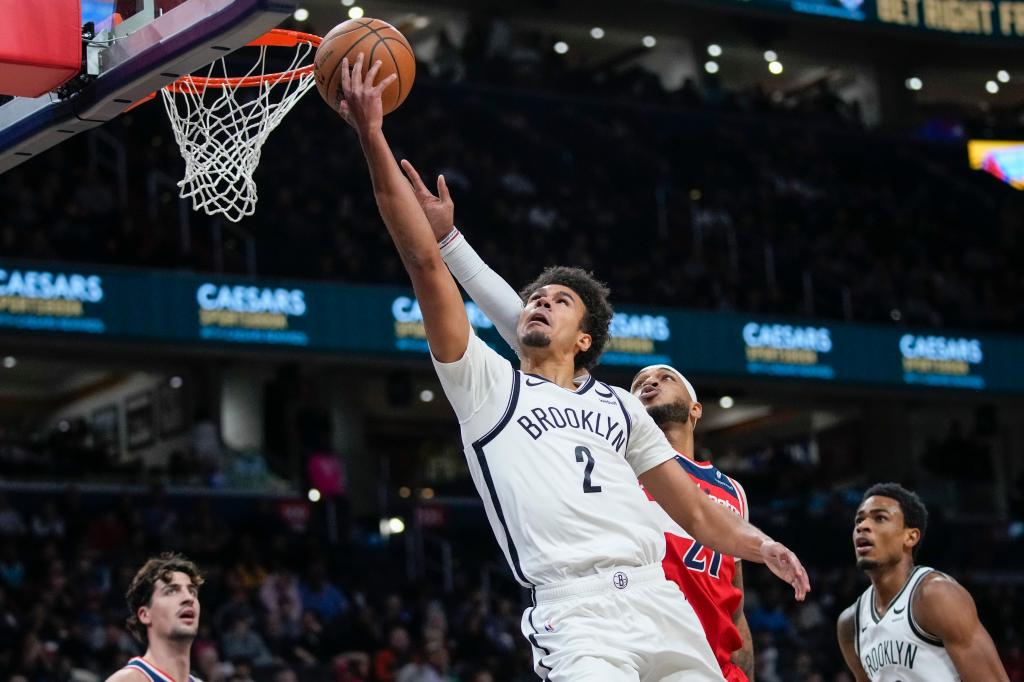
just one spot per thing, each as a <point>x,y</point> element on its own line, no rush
<point>276,37</point>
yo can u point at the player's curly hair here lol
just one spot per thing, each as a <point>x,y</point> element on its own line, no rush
<point>915,514</point>
<point>140,592</point>
<point>598,315</point>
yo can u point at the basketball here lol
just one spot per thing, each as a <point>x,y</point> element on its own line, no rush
<point>374,39</point>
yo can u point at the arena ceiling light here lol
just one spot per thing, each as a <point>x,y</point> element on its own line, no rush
<point>992,87</point>
<point>1003,76</point>
<point>913,83</point>
<point>348,3</point>
<point>597,33</point>
<point>711,66</point>
<point>714,50</point>
<point>770,56</point>
<point>313,495</point>
<point>561,47</point>
<point>726,402</point>
<point>775,67</point>
<point>426,395</point>
<point>10,361</point>
<point>301,14</point>
<point>649,41</point>
<point>355,12</point>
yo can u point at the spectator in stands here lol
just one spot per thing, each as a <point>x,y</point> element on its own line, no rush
<point>242,643</point>
<point>321,597</point>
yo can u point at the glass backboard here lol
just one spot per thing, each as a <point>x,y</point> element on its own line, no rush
<point>139,47</point>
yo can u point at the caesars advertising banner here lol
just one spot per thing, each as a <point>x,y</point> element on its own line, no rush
<point>367,320</point>
<point>971,18</point>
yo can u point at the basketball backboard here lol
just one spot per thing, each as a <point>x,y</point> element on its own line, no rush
<point>139,46</point>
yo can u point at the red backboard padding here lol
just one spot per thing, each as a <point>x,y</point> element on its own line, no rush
<point>40,45</point>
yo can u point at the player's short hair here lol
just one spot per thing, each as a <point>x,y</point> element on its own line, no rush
<point>915,514</point>
<point>597,317</point>
<point>140,592</point>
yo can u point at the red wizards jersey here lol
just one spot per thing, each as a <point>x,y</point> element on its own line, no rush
<point>704,576</point>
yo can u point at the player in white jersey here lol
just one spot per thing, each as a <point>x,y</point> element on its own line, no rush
<point>163,601</point>
<point>556,463</point>
<point>914,624</point>
<point>713,584</point>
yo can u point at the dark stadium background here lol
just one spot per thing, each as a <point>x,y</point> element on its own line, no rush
<point>835,194</point>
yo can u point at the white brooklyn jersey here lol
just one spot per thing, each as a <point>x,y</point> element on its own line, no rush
<point>892,647</point>
<point>556,469</point>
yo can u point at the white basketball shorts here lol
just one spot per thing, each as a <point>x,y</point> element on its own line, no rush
<point>627,624</point>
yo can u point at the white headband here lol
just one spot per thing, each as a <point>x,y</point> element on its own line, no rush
<point>689,386</point>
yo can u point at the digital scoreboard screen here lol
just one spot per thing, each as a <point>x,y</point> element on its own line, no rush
<point>1002,159</point>
<point>150,306</point>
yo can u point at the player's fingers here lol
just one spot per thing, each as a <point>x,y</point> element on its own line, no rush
<point>357,74</point>
<point>442,189</point>
<point>371,75</point>
<point>382,86</point>
<point>414,177</point>
<point>343,110</point>
<point>346,77</point>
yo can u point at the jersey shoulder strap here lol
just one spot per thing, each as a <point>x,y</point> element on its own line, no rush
<point>152,672</point>
<point>146,669</point>
<point>922,573</point>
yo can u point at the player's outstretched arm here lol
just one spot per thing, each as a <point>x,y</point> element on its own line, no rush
<point>488,289</point>
<point>718,528</point>
<point>942,608</point>
<point>444,315</point>
<point>742,658</point>
<point>846,630</point>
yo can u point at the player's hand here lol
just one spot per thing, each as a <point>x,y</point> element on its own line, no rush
<point>362,107</point>
<point>439,208</point>
<point>786,566</point>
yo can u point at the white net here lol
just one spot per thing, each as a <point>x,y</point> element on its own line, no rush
<point>221,130</point>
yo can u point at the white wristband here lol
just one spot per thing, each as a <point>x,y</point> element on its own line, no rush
<point>449,238</point>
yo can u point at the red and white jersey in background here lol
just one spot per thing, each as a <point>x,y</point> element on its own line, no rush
<point>705,576</point>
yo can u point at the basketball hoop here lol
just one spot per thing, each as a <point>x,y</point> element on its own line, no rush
<point>221,131</point>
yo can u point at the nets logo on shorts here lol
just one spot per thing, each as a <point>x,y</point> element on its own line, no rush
<point>620,580</point>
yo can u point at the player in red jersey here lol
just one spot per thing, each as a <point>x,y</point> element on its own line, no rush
<point>712,582</point>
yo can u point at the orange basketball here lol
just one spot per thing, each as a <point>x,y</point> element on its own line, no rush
<point>374,39</point>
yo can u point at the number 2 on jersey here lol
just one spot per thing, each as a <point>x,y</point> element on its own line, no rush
<point>582,452</point>
<point>702,565</point>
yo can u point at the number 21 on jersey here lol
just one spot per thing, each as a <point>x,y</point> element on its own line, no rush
<point>703,559</point>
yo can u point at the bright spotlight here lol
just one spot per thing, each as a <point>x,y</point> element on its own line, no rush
<point>426,395</point>
<point>775,68</point>
<point>301,14</point>
<point>396,525</point>
<point>914,83</point>
<point>313,495</point>
<point>10,361</point>
<point>176,382</point>
<point>597,33</point>
<point>714,50</point>
<point>561,47</point>
<point>1003,76</point>
<point>649,41</point>
<point>348,3</point>
<point>992,87</point>
<point>355,12</point>
<point>770,56</point>
<point>711,66</point>
<point>726,402</point>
